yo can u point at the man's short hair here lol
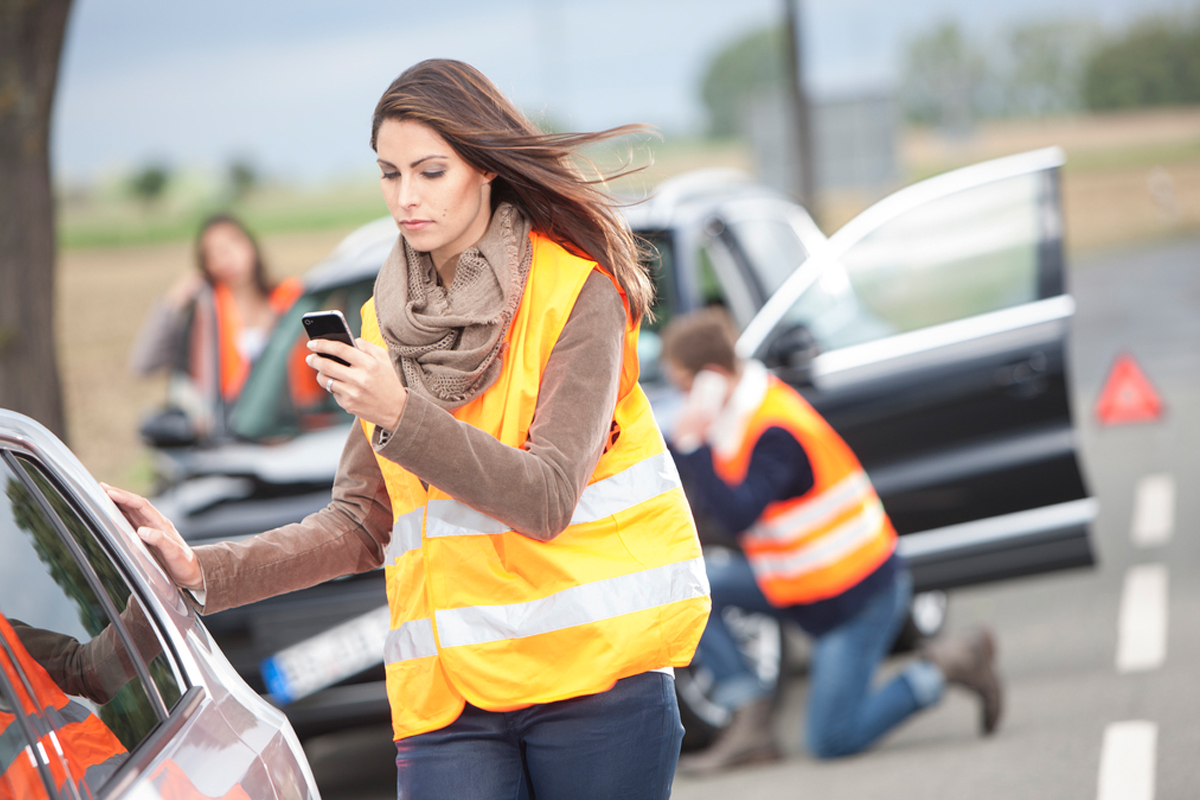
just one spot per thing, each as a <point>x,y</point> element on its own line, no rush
<point>700,338</point>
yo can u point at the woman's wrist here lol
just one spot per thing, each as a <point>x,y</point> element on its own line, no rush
<point>394,424</point>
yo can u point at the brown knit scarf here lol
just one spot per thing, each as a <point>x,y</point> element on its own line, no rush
<point>446,341</point>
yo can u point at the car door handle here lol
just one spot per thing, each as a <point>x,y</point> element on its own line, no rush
<point>1026,378</point>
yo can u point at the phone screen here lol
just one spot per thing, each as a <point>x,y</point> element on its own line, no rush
<point>328,325</point>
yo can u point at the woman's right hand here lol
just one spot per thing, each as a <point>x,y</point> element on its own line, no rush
<point>158,533</point>
<point>184,290</point>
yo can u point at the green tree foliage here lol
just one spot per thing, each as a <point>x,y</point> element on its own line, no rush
<point>951,79</point>
<point>943,78</point>
<point>1156,63</point>
<point>243,178</point>
<point>1043,66</point>
<point>150,182</point>
<point>752,65</point>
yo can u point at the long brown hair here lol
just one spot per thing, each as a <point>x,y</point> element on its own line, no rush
<point>534,170</point>
<point>260,270</point>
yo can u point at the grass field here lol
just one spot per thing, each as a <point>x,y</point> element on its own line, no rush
<point>1128,177</point>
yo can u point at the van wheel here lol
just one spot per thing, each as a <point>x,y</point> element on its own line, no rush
<point>760,639</point>
<point>926,618</point>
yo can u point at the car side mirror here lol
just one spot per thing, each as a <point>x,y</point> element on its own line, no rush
<point>169,428</point>
<point>791,353</point>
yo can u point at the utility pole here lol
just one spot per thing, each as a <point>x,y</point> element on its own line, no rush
<point>804,180</point>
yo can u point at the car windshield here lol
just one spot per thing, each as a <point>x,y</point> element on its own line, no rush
<point>282,397</point>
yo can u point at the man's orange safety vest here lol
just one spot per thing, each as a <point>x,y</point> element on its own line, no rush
<point>89,751</point>
<point>483,614</point>
<point>824,542</point>
<point>233,367</point>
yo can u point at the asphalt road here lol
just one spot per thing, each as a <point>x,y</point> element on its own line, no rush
<point>1091,712</point>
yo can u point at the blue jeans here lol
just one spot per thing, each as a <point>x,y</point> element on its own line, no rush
<point>620,743</point>
<point>845,713</point>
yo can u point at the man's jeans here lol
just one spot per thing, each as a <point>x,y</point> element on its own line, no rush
<point>620,743</point>
<point>845,713</point>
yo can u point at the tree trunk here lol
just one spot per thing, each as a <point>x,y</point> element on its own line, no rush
<point>31,38</point>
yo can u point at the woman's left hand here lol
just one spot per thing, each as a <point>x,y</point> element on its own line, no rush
<point>368,388</point>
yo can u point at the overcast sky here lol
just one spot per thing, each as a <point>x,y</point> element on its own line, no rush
<point>292,84</point>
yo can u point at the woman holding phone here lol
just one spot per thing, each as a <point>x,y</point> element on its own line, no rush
<point>543,571</point>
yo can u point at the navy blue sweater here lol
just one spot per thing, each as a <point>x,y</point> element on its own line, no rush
<point>779,469</point>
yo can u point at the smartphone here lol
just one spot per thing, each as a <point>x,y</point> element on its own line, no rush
<point>328,325</point>
<point>709,390</point>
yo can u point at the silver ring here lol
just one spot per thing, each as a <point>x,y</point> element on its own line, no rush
<point>329,385</point>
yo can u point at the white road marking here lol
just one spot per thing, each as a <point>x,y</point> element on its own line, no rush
<point>1127,761</point>
<point>1142,624</point>
<point>1154,510</point>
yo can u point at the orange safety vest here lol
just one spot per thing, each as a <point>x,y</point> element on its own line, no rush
<point>89,751</point>
<point>232,366</point>
<point>482,614</point>
<point>825,541</point>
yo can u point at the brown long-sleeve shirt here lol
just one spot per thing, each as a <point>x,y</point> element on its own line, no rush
<point>533,490</point>
<point>98,668</point>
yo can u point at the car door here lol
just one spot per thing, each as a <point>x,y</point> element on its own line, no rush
<point>112,655</point>
<point>941,316</point>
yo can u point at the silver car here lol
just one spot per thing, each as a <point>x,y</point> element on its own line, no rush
<point>109,684</point>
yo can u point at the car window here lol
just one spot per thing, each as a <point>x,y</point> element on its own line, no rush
<point>115,586</point>
<point>50,598</point>
<point>964,254</point>
<point>658,258</point>
<point>771,246</point>
<point>281,397</point>
<point>711,291</point>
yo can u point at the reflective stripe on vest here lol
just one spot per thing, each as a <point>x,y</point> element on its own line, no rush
<point>617,493</point>
<point>12,742</point>
<point>483,614</point>
<point>816,546</point>
<point>850,494</point>
<point>832,546</point>
<point>579,605</point>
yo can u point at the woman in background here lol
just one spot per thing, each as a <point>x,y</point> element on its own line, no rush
<point>214,322</point>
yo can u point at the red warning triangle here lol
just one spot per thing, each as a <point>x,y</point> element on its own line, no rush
<point>1127,395</point>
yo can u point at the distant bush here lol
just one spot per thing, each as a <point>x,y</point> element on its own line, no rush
<point>1156,63</point>
<point>242,177</point>
<point>150,182</point>
<point>951,79</point>
<point>754,63</point>
<point>944,77</point>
